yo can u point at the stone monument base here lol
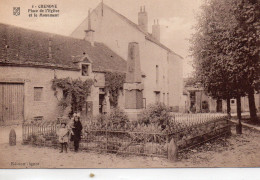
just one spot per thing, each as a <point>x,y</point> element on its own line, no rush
<point>133,113</point>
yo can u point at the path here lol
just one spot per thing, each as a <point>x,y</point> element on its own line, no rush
<point>236,151</point>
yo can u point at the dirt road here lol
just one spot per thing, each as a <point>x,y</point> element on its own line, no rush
<point>235,151</point>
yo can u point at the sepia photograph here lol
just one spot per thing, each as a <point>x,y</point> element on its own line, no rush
<point>129,84</point>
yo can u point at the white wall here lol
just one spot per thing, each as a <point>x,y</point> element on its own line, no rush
<point>116,33</point>
<point>42,77</point>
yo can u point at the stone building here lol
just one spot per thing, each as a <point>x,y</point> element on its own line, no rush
<point>198,101</point>
<point>160,67</point>
<point>30,60</point>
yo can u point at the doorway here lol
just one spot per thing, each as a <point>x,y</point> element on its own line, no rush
<point>11,102</point>
<point>219,105</point>
<point>101,99</point>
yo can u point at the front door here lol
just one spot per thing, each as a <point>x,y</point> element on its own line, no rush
<point>101,99</point>
<point>11,102</point>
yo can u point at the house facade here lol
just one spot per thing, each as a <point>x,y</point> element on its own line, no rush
<point>198,101</point>
<point>161,68</point>
<point>30,60</point>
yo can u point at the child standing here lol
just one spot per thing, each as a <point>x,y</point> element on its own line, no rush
<point>63,134</point>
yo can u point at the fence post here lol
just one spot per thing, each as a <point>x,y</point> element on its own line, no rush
<point>106,137</point>
<point>28,130</point>
<point>167,144</point>
<point>167,135</point>
<point>23,132</point>
<point>229,126</point>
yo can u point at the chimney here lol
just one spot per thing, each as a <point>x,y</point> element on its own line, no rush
<point>156,30</point>
<point>143,19</point>
<point>50,50</point>
<point>89,36</point>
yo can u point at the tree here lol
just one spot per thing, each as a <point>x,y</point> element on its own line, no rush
<point>226,54</point>
<point>246,52</point>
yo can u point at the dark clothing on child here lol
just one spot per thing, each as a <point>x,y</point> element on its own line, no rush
<point>76,145</point>
<point>77,134</point>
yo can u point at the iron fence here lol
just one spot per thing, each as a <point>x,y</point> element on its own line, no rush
<point>125,142</point>
<point>134,138</point>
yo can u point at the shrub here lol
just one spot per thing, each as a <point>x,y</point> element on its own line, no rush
<point>158,114</point>
<point>101,118</point>
<point>117,119</point>
<point>32,139</point>
<point>118,116</point>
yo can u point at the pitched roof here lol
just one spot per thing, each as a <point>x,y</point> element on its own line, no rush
<point>148,36</point>
<point>24,46</point>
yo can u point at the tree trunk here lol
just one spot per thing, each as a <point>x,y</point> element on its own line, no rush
<point>239,125</point>
<point>251,102</point>
<point>228,107</point>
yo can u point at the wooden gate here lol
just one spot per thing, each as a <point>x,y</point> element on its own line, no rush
<point>11,102</point>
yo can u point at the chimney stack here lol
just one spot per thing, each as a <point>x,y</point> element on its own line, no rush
<point>156,30</point>
<point>143,19</point>
<point>89,36</point>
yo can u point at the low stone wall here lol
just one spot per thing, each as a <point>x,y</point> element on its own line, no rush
<point>195,135</point>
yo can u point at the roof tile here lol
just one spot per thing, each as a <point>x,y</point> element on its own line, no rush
<point>20,45</point>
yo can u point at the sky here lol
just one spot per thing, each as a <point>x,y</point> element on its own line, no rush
<point>176,17</point>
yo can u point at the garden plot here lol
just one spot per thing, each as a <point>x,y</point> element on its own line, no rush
<point>135,137</point>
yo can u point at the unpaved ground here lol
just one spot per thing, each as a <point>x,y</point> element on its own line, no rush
<point>5,130</point>
<point>236,151</point>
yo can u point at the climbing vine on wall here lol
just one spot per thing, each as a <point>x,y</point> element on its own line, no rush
<point>114,83</point>
<point>75,92</point>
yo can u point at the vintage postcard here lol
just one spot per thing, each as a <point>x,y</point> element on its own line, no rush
<point>129,84</point>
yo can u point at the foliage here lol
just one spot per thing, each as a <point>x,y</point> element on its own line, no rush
<point>158,114</point>
<point>101,118</point>
<point>191,81</point>
<point>114,83</point>
<point>226,48</point>
<point>32,139</point>
<point>75,92</point>
<point>118,116</point>
<point>41,139</point>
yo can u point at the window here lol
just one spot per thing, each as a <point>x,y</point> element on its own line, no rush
<point>157,97</point>
<point>157,74</point>
<point>167,99</point>
<point>163,98</point>
<point>38,93</point>
<point>205,105</point>
<point>144,103</point>
<point>232,101</point>
<point>85,69</point>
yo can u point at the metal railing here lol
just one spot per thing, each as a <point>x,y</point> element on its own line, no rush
<point>134,138</point>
